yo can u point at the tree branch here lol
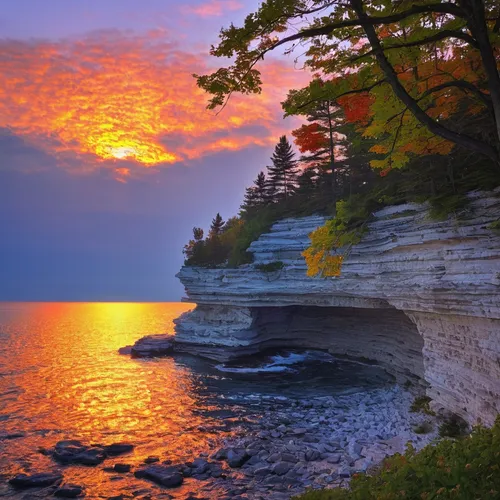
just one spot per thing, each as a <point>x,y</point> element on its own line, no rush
<point>485,98</point>
<point>412,105</point>
<point>440,8</point>
<point>433,38</point>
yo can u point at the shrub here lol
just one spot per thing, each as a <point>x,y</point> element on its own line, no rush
<point>495,225</point>
<point>453,427</point>
<point>421,405</point>
<point>467,469</point>
<point>271,267</point>
<point>423,428</point>
<point>443,206</point>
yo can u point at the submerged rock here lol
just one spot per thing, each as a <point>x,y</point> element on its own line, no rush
<point>118,448</point>
<point>35,480</point>
<point>122,467</point>
<point>12,435</point>
<point>69,491</point>
<point>153,345</point>
<point>167,476</point>
<point>72,451</point>
<point>237,457</point>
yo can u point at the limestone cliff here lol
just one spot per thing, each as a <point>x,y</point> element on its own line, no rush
<point>420,297</point>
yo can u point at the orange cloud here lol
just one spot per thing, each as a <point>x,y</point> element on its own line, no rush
<point>213,8</point>
<point>116,97</point>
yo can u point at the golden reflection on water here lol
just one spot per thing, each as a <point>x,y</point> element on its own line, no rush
<point>62,378</point>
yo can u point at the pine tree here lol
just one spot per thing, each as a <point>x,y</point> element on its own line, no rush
<point>283,171</point>
<point>261,189</point>
<point>255,196</point>
<point>323,139</point>
<point>307,181</point>
<point>195,246</point>
<point>216,226</point>
<point>197,233</point>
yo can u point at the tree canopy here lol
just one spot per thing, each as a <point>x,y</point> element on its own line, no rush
<point>402,71</point>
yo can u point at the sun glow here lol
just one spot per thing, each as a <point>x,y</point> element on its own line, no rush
<point>122,152</point>
<point>114,97</point>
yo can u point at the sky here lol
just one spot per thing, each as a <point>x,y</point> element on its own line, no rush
<point>108,155</point>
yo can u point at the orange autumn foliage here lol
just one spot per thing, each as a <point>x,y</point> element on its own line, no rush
<point>357,107</point>
<point>310,138</point>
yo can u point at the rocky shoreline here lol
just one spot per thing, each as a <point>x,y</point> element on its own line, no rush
<point>316,443</point>
<point>290,445</point>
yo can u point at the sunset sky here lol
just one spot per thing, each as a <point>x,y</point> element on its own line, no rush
<point>108,156</point>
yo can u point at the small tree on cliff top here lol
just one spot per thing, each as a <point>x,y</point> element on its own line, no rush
<point>283,171</point>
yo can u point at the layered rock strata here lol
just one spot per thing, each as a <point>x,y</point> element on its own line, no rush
<point>420,297</point>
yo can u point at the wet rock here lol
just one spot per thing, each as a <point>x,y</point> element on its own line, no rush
<point>274,457</point>
<point>151,460</point>
<point>122,467</point>
<point>69,491</point>
<point>118,448</point>
<point>12,435</point>
<point>288,457</point>
<point>253,461</point>
<point>166,476</point>
<point>237,457</point>
<point>125,350</point>
<point>35,480</point>
<point>262,471</point>
<point>312,455</point>
<point>74,452</point>
<point>220,454</point>
<point>199,466</point>
<point>281,468</point>
<point>344,472</point>
<point>334,458</point>
<point>153,345</point>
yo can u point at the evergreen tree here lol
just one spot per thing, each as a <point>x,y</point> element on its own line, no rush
<point>197,233</point>
<point>261,189</point>
<point>216,226</point>
<point>323,140</point>
<point>195,247</point>
<point>255,196</point>
<point>307,181</point>
<point>283,171</point>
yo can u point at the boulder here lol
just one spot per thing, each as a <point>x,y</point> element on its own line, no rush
<point>153,345</point>
<point>122,468</point>
<point>35,480</point>
<point>69,491</point>
<point>281,468</point>
<point>167,476</point>
<point>118,448</point>
<point>74,452</point>
<point>237,457</point>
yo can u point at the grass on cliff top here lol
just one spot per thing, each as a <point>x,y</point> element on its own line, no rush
<point>465,469</point>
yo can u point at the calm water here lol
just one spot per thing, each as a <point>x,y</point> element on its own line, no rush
<point>62,378</point>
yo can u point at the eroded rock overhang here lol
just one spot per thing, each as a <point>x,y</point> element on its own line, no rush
<point>420,297</point>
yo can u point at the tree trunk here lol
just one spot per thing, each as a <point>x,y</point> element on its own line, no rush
<point>332,157</point>
<point>476,22</point>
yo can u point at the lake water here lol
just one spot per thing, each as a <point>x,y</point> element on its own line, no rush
<point>62,378</point>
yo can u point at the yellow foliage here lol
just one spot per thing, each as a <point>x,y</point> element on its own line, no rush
<point>323,257</point>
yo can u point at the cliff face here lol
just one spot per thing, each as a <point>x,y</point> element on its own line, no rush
<point>420,297</point>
